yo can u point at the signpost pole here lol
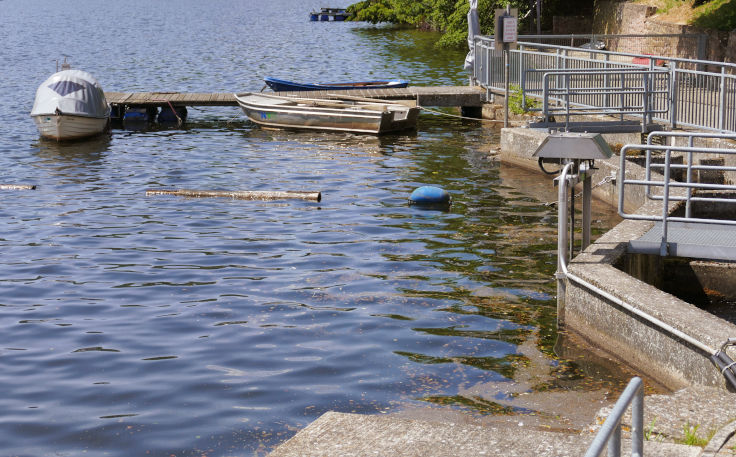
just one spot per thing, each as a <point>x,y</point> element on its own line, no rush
<point>506,85</point>
<point>506,33</point>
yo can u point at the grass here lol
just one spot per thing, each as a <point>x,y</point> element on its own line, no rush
<point>691,437</point>
<point>712,14</point>
<point>650,434</point>
<point>515,101</point>
<point>717,14</point>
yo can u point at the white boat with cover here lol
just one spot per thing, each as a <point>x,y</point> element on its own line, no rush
<point>359,116</point>
<point>70,105</point>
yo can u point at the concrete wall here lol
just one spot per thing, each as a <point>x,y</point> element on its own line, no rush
<point>519,144</point>
<point>654,352</point>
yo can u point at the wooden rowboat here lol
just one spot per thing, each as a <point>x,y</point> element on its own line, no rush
<point>272,111</point>
<point>280,85</point>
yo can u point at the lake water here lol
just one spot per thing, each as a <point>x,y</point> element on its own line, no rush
<point>163,326</point>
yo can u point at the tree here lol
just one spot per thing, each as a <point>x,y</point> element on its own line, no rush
<point>450,16</point>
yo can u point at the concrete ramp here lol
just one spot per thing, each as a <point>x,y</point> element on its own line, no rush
<point>347,435</point>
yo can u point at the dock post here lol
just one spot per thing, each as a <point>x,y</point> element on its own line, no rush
<point>476,112</point>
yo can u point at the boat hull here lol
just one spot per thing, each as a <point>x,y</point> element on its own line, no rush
<point>64,127</point>
<point>279,85</point>
<point>311,114</point>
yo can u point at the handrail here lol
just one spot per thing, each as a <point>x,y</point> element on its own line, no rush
<point>695,97</point>
<point>633,395</point>
<point>652,57</point>
<point>583,92</point>
<point>563,272</point>
<point>690,136</point>
<point>667,184</point>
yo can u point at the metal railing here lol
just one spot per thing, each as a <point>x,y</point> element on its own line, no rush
<point>590,91</point>
<point>686,45</point>
<point>692,186</point>
<point>566,182</point>
<point>610,432</point>
<point>701,93</point>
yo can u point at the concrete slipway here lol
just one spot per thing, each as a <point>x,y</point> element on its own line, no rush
<point>700,397</point>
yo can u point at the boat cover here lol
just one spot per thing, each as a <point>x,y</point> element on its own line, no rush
<point>71,92</point>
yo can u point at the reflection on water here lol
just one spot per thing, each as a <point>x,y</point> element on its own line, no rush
<point>415,49</point>
<point>160,326</point>
<point>80,153</point>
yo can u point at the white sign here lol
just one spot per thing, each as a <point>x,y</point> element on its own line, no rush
<point>509,29</point>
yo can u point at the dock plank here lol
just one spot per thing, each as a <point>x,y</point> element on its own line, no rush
<point>427,96</point>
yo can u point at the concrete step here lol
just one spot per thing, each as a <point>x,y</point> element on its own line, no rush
<point>340,434</point>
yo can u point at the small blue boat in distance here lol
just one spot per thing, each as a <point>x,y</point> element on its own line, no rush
<point>280,85</point>
<point>336,14</point>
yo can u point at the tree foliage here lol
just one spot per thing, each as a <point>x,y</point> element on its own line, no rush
<point>450,16</point>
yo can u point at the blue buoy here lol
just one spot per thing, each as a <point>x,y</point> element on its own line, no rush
<point>430,196</point>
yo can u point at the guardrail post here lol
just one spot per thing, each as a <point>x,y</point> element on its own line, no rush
<point>614,442</point>
<point>622,99</point>
<point>545,97</point>
<point>646,115</point>
<point>587,200</point>
<point>567,102</point>
<point>520,52</point>
<point>688,203</point>
<point>722,101</point>
<point>562,241</point>
<point>637,423</point>
<point>673,95</point>
<point>610,432</point>
<point>478,61</point>
<point>607,102</point>
<point>664,247</point>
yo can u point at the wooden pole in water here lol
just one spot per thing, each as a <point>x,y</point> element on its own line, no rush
<point>239,195</point>
<point>17,187</point>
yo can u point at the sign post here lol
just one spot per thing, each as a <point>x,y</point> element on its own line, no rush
<point>506,33</point>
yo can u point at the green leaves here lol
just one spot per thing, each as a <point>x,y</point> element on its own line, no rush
<point>450,16</point>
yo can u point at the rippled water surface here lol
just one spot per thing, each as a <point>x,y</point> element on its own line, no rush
<point>162,326</point>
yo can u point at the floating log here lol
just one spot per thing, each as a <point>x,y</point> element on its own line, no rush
<point>239,195</point>
<point>17,187</point>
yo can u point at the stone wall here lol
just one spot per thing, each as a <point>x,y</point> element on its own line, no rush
<point>610,17</point>
<point>614,17</point>
<point>568,25</point>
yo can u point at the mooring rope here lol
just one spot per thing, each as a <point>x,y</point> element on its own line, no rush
<point>179,121</point>
<point>457,116</point>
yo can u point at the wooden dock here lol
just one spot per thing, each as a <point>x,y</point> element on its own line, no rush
<point>464,96</point>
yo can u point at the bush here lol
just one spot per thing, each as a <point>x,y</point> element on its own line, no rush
<point>516,105</point>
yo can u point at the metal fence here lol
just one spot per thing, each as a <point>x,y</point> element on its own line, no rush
<point>610,433</point>
<point>593,91</point>
<point>686,45</point>
<point>701,94</point>
<point>700,176</point>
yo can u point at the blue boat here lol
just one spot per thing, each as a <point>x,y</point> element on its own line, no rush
<point>279,85</point>
<point>337,14</point>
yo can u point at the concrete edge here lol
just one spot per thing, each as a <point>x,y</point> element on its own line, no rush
<point>659,355</point>
<point>344,434</point>
<point>719,440</point>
